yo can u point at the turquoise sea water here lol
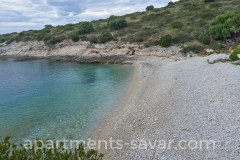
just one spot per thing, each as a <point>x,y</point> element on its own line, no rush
<point>56,100</point>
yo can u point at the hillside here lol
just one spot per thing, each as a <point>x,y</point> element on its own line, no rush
<point>185,21</point>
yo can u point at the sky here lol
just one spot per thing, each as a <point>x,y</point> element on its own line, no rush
<point>20,15</point>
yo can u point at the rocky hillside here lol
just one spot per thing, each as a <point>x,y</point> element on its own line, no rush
<point>186,21</point>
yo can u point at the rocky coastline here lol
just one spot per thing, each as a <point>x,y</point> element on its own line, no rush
<point>85,52</point>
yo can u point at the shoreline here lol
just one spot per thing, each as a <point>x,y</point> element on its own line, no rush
<point>174,101</point>
<point>126,99</point>
<point>110,59</point>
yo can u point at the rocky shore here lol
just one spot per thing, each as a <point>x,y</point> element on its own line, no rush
<point>85,52</point>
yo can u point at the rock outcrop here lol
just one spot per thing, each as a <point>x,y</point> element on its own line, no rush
<point>83,51</point>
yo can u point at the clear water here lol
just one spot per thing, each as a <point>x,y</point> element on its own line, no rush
<point>56,100</point>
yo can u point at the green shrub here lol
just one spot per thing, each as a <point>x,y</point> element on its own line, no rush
<point>111,18</point>
<point>118,23</point>
<point>85,27</point>
<point>93,39</point>
<point>165,41</point>
<point>225,25</point>
<point>105,36</point>
<point>139,39</point>
<point>52,40</point>
<point>75,37</point>
<point>234,55</point>
<point>68,27</point>
<point>11,151</point>
<point>170,3</point>
<point>216,46</point>
<point>180,38</point>
<point>149,8</point>
<point>3,40</point>
<point>204,38</point>
<point>209,1</point>
<point>194,48</point>
<point>176,25</point>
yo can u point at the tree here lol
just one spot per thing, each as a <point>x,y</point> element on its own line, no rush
<point>225,25</point>
<point>165,41</point>
<point>149,8</point>
<point>85,27</point>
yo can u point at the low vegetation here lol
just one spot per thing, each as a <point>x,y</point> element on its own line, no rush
<point>10,151</point>
<point>166,40</point>
<point>225,25</point>
<point>234,55</point>
<point>206,23</point>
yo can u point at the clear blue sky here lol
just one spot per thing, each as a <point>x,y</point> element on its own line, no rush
<point>19,15</point>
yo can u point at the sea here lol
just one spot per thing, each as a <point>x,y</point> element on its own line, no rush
<point>41,99</point>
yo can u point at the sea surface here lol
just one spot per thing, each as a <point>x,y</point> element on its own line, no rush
<point>56,100</point>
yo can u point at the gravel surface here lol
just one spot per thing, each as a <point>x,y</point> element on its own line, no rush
<point>180,103</point>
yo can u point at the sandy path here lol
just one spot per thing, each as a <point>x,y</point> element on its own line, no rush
<point>173,101</point>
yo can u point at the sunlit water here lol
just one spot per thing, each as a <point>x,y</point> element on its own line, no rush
<point>56,100</point>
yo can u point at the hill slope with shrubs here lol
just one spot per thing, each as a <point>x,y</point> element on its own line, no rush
<point>204,24</point>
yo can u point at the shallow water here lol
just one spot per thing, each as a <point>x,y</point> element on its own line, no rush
<point>56,100</point>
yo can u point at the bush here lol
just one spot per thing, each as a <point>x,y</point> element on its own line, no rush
<point>165,41</point>
<point>180,38</point>
<point>176,25</point>
<point>93,39</point>
<point>10,151</point>
<point>194,48</point>
<point>234,55</point>
<point>51,40</point>
<point>170,3</point>
<point>149,8</point>
<point>105,37</point>
<point>3,40</point>
<point>209,1</point>
<point>216,46</point>
<point>85,27</point>
<point>225,25</point>
<point>204,38</point>
<point>111,18</point>
<point>118,23</point>
<point>75,37</point>
<point>139,39</point>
